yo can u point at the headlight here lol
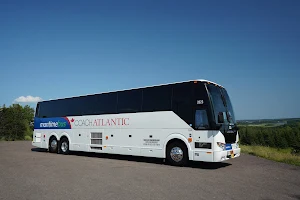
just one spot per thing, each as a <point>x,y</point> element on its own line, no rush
<point>221,145</point>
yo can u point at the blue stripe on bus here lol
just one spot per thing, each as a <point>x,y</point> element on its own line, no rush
<point>52,123</point>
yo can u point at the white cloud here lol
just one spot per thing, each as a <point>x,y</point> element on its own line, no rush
<point>28,99</point>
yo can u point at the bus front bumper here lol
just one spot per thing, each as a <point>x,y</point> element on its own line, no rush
<point>216,156</point>
<point>220,156</point>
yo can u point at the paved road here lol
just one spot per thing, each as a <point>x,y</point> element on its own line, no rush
<point>29,173</point>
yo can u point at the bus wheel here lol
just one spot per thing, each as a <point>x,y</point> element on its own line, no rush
<point>177,154</point>
<point>53,145</point>
<point>64,146</point>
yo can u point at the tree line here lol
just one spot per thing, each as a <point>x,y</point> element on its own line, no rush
<point>284,136</point>
<point>16,122</point>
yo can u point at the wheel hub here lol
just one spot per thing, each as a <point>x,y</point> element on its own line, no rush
<point>53,144</point>
<point>64,146</point>
<point>176,154</point>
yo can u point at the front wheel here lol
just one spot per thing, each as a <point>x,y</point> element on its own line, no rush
<point>177,154</point>
<point>64,146</point>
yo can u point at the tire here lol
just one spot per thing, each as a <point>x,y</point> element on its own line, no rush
<point>53,145</point>
<point>177,154</point>
<point>64,146</point>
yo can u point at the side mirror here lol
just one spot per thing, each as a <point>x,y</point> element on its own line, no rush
<point>220,118</point>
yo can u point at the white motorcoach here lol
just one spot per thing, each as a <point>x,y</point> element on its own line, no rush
<point>192,120</point>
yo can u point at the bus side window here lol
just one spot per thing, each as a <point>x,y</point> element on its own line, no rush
<point>201,121</point>
<point>182,101</point>
<point>37,110</point>
<point>129,101</point>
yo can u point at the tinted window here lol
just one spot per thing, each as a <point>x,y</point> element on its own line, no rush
<point>46,109</point>
<point>184,101</point>
<point>203,102</point>
<point>217,100</point>
<point>73,107</point>
<point>157,98</point>
<point>41,109</point>
<point>61,108</point>
<point>86,105</point>
<point>231,117</point>
<point>201,96</point>
<point>52,109</point>
<point>90,105</point>
<point>129,101</point>
<point>37,110</point>
<point>107,103</point>
<point>201,120</point>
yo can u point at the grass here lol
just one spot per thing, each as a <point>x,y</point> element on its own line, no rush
<point>261,125</point>
<point>279,155</point>
<point>28,138</point>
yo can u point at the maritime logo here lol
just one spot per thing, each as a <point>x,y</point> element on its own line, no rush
<point>50,124</point>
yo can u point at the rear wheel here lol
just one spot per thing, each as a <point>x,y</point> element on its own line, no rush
<point>64,146</point>
<point>177,154</point>
<point>53,145</point>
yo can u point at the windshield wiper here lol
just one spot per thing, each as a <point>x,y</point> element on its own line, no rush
<point>229,117</point>
<point>202,127</point>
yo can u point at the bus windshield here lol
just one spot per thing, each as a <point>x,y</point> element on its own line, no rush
<point>231,117</point>
<point>221,103</point>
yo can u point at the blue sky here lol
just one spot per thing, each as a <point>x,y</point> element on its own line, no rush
<point>55,49</point>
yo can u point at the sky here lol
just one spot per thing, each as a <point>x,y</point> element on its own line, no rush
<point>56,49</point>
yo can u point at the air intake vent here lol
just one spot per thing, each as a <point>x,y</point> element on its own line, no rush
<point>96,141</point>
<point>96,135</point>
<point>96,138</point>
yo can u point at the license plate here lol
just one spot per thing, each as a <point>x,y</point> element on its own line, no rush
<point>228,147</point>
<point>232,154</point>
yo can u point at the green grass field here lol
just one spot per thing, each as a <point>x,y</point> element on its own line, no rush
<point>279,155</point>
<point>261,125</point>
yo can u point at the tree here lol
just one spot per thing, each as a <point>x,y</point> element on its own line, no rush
<point>15,122</point>
<point>279,137</point>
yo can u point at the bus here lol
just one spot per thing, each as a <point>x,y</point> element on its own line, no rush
<point>180,122</point>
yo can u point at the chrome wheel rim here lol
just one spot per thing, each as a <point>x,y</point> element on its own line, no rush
<point>64,146</point>
<point>176,154</point>
<point>53,144</point>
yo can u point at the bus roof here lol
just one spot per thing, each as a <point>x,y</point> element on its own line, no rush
<point>200,80</point>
